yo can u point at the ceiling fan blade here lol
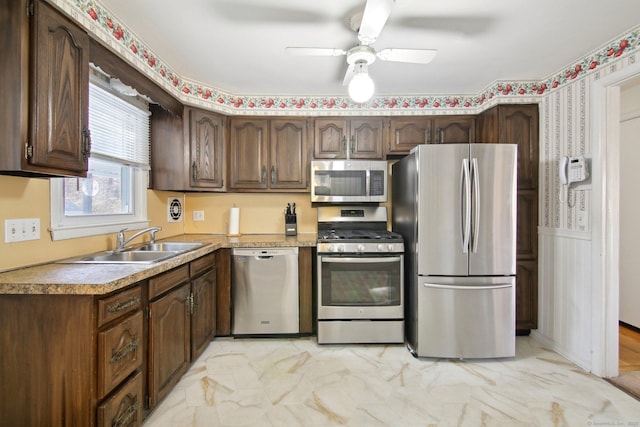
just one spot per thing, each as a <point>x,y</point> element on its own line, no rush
<point>351,71</point>
<point>376,13</point>
<point>415,56</point>
<point>314,51</point>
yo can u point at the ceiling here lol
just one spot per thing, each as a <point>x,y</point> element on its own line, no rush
<point>238,46</point>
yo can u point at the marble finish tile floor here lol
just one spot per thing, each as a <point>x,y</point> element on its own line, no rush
<point>296,382</point>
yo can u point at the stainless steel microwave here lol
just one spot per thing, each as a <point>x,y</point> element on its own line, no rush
<point>348,181</point>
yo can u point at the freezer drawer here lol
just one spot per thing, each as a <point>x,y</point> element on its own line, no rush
<point>465,317</point>
<point>265,291</point>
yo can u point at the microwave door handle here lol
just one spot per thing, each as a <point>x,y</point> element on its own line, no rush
<point>367,183</point>
<point>465,202</point>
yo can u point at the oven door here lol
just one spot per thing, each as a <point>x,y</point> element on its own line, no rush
<point>360,287</point>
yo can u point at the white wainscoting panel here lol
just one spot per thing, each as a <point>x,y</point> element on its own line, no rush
<point>564,294</point>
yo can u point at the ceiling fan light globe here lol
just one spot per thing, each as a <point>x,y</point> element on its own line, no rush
<point>361,88</point>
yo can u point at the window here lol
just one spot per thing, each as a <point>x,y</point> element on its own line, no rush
<point>113,196</point>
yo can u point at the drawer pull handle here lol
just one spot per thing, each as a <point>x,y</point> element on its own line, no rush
<point>123,305</point>
<point>129,348</point>
<point>124,419</point>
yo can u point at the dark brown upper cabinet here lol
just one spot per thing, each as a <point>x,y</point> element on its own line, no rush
<point>188,153</point>
<point>45,104</point>
<point>454,130</point>
<point>268,155</point>
<point>336,138</point>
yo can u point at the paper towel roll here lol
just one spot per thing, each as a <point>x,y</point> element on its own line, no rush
<point>234,222</point>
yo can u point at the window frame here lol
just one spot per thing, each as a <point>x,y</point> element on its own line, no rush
<point>76,226</point>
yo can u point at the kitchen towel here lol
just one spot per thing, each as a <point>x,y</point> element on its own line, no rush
<point>234,221</point>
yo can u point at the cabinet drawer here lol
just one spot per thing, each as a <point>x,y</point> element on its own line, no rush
<point>165,281</point>
<point>201,264</point>
<point>117,305</point>
<point>124,408</point>
<point>120,352</point>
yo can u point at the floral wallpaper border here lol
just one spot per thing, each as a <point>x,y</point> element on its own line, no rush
<point>103,24</point>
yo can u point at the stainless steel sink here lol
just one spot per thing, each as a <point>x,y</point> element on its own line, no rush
<point>126,257</point>
<point>170,246</point>
<point>145,254</point>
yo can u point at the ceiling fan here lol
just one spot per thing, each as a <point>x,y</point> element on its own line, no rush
<point>374,17</point>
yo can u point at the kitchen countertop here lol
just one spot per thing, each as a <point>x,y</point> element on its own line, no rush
<point>99,279</point>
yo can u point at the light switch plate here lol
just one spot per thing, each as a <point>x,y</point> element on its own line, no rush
<point>19,230</point>
<point>198,215</point>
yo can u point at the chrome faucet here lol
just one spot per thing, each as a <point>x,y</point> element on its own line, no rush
<point>121,242</point>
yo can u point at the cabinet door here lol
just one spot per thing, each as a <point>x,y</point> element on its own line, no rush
<point>288,158</point>
<point>519,125</point>
<point>249,154</point>
<point>406,133</point>
<point>60,93</point>
<point>454,130</point>
<point>330,138</point>
<point>223,292</point>
<point>526,295</point>
<point>203,316</point>
<point>206,144</point>
<point>365,141</point>
<point>169,342</point>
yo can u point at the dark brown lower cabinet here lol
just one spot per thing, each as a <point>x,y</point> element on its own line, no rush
<point>169,342</point>
<point>182,322</point>
<point>125,408</point>
<point>203,305</point>
<point>97,360</point>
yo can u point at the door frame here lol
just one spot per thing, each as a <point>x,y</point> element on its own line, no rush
<point>605,256</point>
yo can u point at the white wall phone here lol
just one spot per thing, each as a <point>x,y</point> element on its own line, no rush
<point>571,169</point>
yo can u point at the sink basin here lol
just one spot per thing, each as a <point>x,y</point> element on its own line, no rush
<point>127,257</point>
<point>170,246</point>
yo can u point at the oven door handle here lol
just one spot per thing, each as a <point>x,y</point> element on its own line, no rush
<point>361,260</point>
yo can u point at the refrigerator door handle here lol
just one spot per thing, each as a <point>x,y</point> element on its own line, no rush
<point>469,288</point>
<point>475,230</point>
<point>465,208</point>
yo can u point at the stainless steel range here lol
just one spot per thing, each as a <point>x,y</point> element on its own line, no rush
<point>360,276</point>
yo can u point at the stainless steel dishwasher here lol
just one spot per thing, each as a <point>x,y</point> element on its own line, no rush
<point>265,291</point>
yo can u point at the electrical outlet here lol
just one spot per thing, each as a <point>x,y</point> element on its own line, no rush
<point>19,230</point>
<point>582,220</point>
<point>198,215</point>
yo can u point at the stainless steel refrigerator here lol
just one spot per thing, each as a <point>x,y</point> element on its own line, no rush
<point>455,206</point>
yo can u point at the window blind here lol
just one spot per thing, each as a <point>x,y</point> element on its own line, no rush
<point>119,130</point>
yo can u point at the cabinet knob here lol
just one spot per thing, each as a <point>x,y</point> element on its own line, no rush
<point>273,174</point>
<point>263,178</point>
<point>194,171</point>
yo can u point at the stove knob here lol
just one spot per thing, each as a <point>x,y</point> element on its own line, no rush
<point>390,247</point>
<point>380,248</point>
<point>360,248</point>
<point>340,248</point>
<point>332,248</point>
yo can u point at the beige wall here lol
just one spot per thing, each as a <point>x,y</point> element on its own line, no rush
<point>259,213</point>
<point>29,198</point>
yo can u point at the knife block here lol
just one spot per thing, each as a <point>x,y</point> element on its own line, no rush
<point>290,224</point>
